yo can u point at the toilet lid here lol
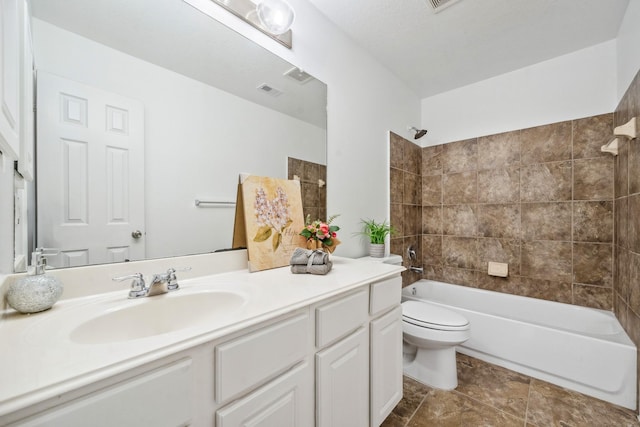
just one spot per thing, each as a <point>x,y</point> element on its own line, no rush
<point>431,316</point>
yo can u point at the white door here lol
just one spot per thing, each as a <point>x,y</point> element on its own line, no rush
<point>10,31</point>
<point>90,173</point>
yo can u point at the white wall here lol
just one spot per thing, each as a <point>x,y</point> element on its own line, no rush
<point>628,48</point>
<point>365,102</point>
<point>198,139</point>
<point>6,215</point>
<point>579,84</point>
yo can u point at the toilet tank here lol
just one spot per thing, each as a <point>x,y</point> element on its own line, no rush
<point>391,259</point>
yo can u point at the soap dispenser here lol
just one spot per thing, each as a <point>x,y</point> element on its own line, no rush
<point>37,291</point>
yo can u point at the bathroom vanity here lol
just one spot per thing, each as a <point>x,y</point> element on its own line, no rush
<point>232,348</point>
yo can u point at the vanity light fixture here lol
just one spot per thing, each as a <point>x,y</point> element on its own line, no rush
<point>275,15</point>
<point>628,130</point>
<point>272,17</point>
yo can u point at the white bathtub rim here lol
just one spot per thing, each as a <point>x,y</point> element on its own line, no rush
<point>619,338</point>
<point>620,333</point>
<point>505,296</point>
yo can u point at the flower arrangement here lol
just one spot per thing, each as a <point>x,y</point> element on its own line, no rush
<point>321,234</point>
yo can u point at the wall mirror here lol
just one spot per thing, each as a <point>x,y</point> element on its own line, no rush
<point>144,108</point>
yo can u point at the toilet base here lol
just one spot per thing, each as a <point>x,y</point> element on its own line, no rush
<point>435,368</point>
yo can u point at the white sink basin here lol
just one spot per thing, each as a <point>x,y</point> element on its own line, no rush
<point>156,315</point>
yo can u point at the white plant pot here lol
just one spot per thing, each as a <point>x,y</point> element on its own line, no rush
<point>376,250</point>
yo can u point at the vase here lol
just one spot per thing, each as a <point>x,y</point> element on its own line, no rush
<point>376,250</point>
<point>313,244</point>
<point>333,247</point>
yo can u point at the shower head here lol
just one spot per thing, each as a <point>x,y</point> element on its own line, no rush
<point>419,132</point>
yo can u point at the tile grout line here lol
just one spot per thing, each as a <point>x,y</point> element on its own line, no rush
<point>526,411</point>
<point>480,402</point>
<point>416,410</point>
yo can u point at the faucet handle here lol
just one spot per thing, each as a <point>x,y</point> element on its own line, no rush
<point>172,280</point>
<point>138,287</point>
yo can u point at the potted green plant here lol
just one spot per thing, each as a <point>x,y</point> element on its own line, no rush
<point>377,233</point>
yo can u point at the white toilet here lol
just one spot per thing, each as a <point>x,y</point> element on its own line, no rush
<point>430,335</point>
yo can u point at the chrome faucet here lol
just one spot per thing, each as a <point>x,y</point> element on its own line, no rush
<point>160,283</point>
<point>413,257</point>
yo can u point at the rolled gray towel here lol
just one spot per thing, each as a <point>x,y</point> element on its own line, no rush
<point>312,269</point>
<point>310,261</point>
<point>301,256</point>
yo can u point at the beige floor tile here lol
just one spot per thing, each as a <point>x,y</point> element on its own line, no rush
<point>439,408</point>
<point>550,405</point>
<point>488,395</point>
<point>476,414</point>
<point>413,393</point>
<point>493,385</point>
<point>449,408</point>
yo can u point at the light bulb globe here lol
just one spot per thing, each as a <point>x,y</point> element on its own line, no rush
<point>275,15</point>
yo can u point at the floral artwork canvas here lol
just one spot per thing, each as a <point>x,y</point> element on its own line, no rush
<point>272,220</point>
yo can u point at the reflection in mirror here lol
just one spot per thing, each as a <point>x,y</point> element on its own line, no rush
<point>141,111</point>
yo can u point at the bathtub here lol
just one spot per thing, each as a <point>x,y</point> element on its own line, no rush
<point>578,348</point>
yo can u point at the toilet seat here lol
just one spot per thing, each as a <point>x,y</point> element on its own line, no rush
<point>431,316</point>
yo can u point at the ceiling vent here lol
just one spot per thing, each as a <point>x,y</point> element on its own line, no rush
<point>269,90</point>
<point>298,75</point>
<point>439,5</point>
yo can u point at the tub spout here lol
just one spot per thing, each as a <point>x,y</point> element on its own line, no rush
<point>416,269</point>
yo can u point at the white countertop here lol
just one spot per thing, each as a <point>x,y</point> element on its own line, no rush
<point>38,359</point>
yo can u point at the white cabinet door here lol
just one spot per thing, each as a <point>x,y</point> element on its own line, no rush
<point>285,402</point>
<point>386,365</point>
<point>342,382</point>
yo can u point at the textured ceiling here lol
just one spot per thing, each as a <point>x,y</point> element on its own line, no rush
<point>471,40</point>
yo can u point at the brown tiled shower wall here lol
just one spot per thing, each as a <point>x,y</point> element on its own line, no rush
<point>539,199</point>
<point>313,178</point>
<point>626,278</point>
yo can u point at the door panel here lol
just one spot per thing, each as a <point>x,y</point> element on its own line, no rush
<point>90,173</point>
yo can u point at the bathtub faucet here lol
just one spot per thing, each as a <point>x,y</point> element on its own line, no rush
<point>413,257</point>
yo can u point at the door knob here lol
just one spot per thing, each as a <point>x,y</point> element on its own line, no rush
<point>136,234</point>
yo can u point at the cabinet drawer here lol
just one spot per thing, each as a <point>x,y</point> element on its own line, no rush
<point>286,401</point>
<point>385,294</point>
<point>157,398</point>
<point>247,361</point>
<point>339,318</point>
